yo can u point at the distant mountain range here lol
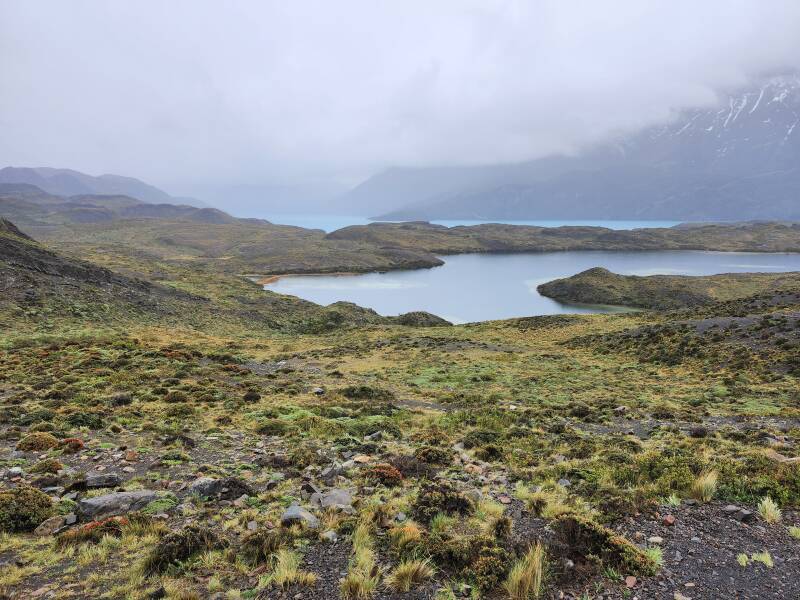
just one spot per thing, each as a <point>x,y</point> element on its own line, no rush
<point>30,206</point>
<point>739,160</point>
<point>66,182</point>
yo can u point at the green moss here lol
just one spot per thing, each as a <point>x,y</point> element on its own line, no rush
<point>23,509</point>
<point>37,442</point>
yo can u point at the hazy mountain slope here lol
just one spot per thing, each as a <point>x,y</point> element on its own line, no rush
<point>29,205</point>
<point>66,182</point>
<point>738,160</point>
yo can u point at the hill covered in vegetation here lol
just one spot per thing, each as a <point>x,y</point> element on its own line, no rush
<point>601,286</point>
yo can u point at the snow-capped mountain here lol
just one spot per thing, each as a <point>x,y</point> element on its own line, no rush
<point>737,160</point>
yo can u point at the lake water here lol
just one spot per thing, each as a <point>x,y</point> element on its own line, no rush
<point>480,287</point>
<point>330,223</point>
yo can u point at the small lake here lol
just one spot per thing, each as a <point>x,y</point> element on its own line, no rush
<point>330,223</point>
<point>481,287</point>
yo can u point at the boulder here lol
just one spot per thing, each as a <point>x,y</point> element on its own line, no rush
<point>115,504</point>
<point>103,480</point>
<point>336,499</point>
<point>50,526</point>
<point>226,488</point>
<point>296,514</point>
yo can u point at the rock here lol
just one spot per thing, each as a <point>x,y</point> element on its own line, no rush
<point>70,519</point>
<point>330,473</point>
<point>473,469</point>
<point>730,509</point>
<point>296,514</point>
<point>657,540</point>
<point>745,516</point>
<point>504,499</point>
<point>679,596</point>
<point>309,489</point>
<point>318,391</point>
<point>227,488</point>
<point>620,410</point>
<point>340,500</point>
<point>115,504</point>
<point>362,459</point>
<point>329,536</point>
<point>131,456</point>
<point>15,472</point>
<point>50,526</point>
<point>668,520</point>
<point>373,437</point>
<point>103,480</point>
<point>474,495</point>
<point>564,483</point>
<point>630,582</point>
<point>252,526</point>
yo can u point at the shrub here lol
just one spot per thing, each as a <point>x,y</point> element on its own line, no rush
<point>366,392</point>
<point>23,509</point>
<point>411,467</point>
<point>72,445</point>
<point>85,419</point>
<point>48,465</point>
<point>385,475</point>
<point>440,497</point>
<point>276,427</point>
<point>480,437</point>
<point>176,396</point>
<point>251,396</point>
<point>258,547</point>
<point>489,453</point>
<point>92,532</point>
<point>433,455</point>
<point>37,442</point>
<point>178,546</point>
<point>588,538</point>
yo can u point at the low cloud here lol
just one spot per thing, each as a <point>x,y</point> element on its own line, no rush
<point>203,92</point>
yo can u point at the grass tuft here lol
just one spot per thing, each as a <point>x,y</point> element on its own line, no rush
<point>408,574</point>
<point>526,578</point>
<point>769,510</point>
<point>705,486</point>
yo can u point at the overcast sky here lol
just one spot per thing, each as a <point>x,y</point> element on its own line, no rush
<point>185,92</point>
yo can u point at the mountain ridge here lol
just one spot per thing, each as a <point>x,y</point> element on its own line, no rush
<point>734,161</point>
<point>69,182</point>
